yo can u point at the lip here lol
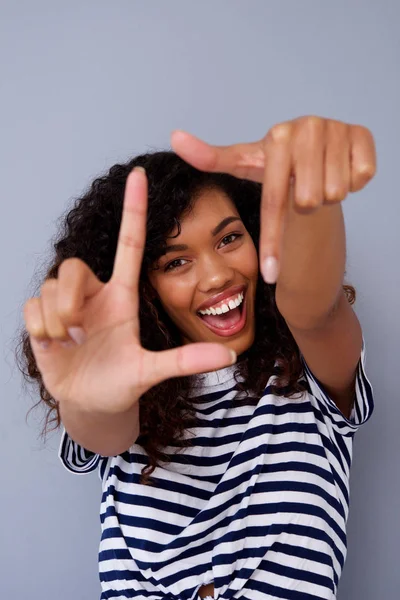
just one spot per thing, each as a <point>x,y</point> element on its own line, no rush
<point>232,330</point>
<point>235,289</point>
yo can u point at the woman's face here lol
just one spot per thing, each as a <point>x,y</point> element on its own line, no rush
<point>212,264</point>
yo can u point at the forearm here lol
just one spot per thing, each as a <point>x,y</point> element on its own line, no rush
<point>105,434</point>
<point>312,265</point>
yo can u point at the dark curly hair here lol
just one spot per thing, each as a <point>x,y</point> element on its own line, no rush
<point>90,230</point>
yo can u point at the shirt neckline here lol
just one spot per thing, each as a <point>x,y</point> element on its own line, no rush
<point>213,378</point>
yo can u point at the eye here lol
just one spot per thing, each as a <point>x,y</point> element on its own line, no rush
<point>177,262</point>
<point>231,235</point>
<point>173,265</point>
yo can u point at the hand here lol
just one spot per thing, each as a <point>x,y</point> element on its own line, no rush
<point>108,370</point>
<point>319,160</point>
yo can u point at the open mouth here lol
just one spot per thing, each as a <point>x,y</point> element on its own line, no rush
<point>227,323</point>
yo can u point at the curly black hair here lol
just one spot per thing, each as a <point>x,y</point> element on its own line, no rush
<point>89,231</point>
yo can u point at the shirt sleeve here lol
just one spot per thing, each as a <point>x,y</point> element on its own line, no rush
<point>75,458</point>
<point>364,400</point>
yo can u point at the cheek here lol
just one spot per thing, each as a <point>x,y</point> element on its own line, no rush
<point>175,298</point>
<point>249,260</point>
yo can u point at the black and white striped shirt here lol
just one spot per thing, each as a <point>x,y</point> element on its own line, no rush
<point>258,505</point>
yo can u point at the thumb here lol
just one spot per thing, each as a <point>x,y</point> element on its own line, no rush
<point>190,360</point>
<point>246,161</point>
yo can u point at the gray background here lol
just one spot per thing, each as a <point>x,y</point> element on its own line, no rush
<point>86,84</point>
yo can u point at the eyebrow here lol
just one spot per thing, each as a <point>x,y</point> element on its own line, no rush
<point>214,232</point>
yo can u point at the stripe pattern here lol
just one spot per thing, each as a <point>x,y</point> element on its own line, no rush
<point>257,505</point>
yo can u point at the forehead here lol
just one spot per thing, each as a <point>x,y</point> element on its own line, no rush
<point>208,209</point>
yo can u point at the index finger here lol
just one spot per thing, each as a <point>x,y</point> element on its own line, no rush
<point>132,233</point>
<point>274,204</point>
<point>245,161</point>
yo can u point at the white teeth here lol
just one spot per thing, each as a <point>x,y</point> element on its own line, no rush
<point>224,307</point>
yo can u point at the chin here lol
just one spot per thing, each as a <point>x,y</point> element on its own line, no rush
<point>241,345</point>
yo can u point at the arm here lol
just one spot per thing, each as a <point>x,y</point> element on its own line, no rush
<point>311,299</point>
<point>104,434</point>
<point>312,265</point>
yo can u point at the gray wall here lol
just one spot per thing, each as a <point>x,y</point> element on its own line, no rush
<point>85,84</point>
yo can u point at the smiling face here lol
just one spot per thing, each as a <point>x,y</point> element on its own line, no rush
<point>212,267</point>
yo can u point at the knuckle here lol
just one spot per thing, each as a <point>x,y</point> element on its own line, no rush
<point>307,200</point>
<point>54,326</point>
<point>313,122</point>
<point>71,264</point>
<point>272,203</point>
<point>66,310</point>
<point>58,333</point>
<point>51,319</point>
<point>337,133</point>
<point>30,309</point>
<point>309,129</point>
<point>33,322</point>
<point>362,130</point>
<point>134,210</point>
<point>365,171</point>
<point>30,305</point>
<point>130,241</point>
<point>71,260</point>
<point>49,286</point>
<point>335,193</point>
<point>37,331</point>
<point>279,133</point>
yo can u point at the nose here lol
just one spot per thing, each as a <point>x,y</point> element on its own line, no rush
<point>214,274</point>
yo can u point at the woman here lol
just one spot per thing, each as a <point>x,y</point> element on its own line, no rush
<point>219,479</point>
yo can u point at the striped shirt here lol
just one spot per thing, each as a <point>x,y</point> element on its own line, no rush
<point>257,505</point>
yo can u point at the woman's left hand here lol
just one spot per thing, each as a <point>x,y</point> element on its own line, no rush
<point>321,158</point>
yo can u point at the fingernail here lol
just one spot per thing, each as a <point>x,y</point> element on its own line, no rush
<point>270,269</point>
<point>233,355</point>
<point>77,334</point>
<point>141,169</point>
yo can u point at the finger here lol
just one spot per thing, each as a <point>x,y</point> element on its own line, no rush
<point>132,233</point>
<point>49,354</point>
<point>189,360</point>
<point>34,321</point>
<point>274,201</point>
<point>52,323</point>
<point>76,284</point>
<point>35,326</point>
<point>337,163</point>
<point>245,161</point>
<point>308,158</point>
<point>363,157</point>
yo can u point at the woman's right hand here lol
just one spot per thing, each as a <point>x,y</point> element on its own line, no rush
<point>107,371</point>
